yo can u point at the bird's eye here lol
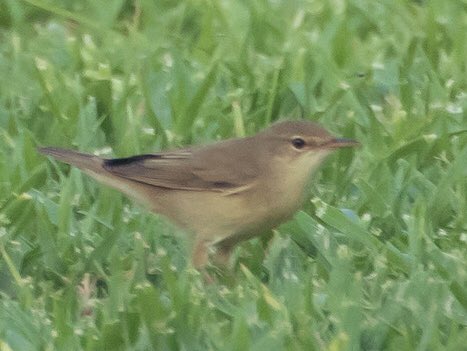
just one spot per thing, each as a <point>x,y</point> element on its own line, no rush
<point>298,143</point>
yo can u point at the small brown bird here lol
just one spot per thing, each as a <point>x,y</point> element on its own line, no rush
<point>221,193</point>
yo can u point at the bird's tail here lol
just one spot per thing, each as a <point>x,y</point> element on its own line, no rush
<point>93,166</point>
<point>81,160</point>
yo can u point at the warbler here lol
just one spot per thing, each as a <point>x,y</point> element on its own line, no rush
<point>224,192</point>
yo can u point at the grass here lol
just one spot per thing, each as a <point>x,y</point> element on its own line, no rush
<point>377,260</point>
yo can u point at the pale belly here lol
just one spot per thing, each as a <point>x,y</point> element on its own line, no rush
<point>213,216</point>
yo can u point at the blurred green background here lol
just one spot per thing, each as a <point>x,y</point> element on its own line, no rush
<point>376,261</point>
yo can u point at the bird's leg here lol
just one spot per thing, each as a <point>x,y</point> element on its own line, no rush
<point>199,256</point>
<point>219,254</point>
<point>222,255</point>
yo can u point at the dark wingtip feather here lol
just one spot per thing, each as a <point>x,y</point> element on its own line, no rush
<point>115,162</point>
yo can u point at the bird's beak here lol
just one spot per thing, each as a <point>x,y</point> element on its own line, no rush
<point>341,142</point>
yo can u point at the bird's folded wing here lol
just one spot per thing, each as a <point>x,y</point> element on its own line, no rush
<point>181,170</point>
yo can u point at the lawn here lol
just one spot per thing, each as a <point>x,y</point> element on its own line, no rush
<point>377,259</point>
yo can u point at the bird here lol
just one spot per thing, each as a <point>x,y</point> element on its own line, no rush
<point>221,193</point>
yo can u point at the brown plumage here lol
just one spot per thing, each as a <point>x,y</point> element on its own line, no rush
<point>224,192</point>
